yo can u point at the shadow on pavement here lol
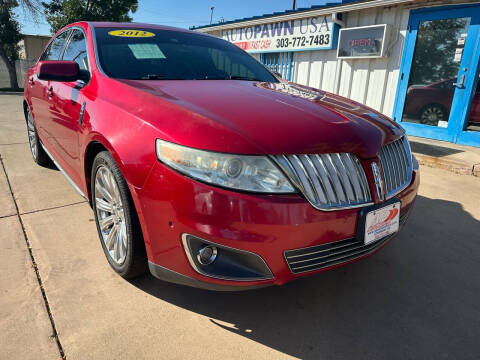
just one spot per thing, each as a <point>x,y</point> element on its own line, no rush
<point>417,298</point>
<point>432,150</point>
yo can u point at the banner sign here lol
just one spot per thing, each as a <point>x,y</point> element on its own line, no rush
<point>316,33</point>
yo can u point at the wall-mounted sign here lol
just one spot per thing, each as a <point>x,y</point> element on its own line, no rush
<point>364,42</point>
<point>318,33</point>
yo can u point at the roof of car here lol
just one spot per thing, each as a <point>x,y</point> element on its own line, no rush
<point>129,25</point>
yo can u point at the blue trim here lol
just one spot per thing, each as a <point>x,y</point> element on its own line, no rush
<point>335,32</point>
<point>460,107</point>
<point>290,67</point>
<point>300,10</point>
<point>443,8</point>
<point>281,62</point>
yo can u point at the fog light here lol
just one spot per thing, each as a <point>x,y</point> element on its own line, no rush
<point>207,255</point>
<point>224,262</point>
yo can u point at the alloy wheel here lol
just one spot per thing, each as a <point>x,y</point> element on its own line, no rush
<point>110,214</point>
<point>432,115</point>
<point>32,135</point>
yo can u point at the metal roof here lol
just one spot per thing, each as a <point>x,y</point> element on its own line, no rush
<point>299,10</point>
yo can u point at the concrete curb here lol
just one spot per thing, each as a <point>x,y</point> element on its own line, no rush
<point>456,166</point>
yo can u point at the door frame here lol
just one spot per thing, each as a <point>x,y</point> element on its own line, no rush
<point>460,107</point>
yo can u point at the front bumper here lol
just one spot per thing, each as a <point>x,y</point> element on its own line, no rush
<point>170,205</point>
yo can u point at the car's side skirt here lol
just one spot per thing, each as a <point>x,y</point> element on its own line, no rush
<point>64,173</point>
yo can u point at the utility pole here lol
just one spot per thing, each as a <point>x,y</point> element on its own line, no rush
<point>211,14</point>
<point>293,7</point>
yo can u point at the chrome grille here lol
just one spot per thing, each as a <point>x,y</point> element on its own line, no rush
<point>337,252</point>
<point>328,181</point>
<point>396,166</point>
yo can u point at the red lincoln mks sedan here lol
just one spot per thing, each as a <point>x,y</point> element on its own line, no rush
<point>207,169</point>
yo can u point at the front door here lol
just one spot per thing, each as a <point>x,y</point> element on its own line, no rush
<point>70,104</point>
<point>439,72</point>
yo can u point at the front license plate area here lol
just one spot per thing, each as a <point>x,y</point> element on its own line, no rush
<point>379,221</point>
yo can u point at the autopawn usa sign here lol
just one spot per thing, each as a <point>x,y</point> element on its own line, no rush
<point>315,33</point>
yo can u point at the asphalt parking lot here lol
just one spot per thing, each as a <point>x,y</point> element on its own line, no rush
<point>416,299</point>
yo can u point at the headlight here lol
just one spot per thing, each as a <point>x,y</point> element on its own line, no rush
<point>249,173</point>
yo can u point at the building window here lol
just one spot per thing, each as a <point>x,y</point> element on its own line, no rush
<point>280,62</point>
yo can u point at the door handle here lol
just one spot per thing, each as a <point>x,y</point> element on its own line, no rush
<point>50,92</point>
<point>82,112</point>
<point>460,84</point>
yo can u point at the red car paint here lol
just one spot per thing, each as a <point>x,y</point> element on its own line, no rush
<point>475,110</point>
<point>241,117</point>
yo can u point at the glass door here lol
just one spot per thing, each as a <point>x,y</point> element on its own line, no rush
<point>469,133</point>
<point>436,82</point>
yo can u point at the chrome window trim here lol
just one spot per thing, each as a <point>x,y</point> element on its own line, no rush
<point>67,42</point>
<point>88,52</point>
<point>95,49</point>
<point>51,41</point>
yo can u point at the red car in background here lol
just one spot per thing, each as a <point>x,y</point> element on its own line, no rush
<point>205,167</point>
<point>431,103</point>
<point>474,119</point>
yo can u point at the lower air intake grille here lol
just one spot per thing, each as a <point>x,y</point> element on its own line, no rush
<point>322,256</point>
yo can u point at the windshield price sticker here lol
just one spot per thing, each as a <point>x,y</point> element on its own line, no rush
<point>303,34</point>
<point>146,51</point>
<point>131,33</point>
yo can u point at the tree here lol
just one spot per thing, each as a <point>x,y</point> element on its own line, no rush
<point>9,38</point>
<point>62,12</point>
<point>435,48</point>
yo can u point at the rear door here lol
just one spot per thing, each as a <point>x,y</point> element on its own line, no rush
<point>43,101</point>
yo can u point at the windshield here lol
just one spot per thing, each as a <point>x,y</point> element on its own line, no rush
<point>152,54</point>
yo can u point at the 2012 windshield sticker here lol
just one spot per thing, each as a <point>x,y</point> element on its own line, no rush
<point>131,33</point>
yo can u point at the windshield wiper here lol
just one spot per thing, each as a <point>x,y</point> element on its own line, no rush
<point>159,77</point>
<point>246,78</point>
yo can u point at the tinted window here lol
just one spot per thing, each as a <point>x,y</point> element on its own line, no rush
<point>77,49</point>
<point>223,62</point>
<point>55,49</point>
<point>165,54</point>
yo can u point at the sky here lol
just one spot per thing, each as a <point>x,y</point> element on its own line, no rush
<point>184,13</point>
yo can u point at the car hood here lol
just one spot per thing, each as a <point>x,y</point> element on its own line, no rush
<point>264,118</point>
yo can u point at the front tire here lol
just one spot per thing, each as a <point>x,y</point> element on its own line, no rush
<point>432,114</point>
<point>38,154</point>
<point>116,219</point>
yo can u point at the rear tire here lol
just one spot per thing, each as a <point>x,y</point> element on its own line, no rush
<point>38,154</point>
<point>116,218</point>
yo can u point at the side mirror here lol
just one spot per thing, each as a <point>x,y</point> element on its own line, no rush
<point>65,71</point>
